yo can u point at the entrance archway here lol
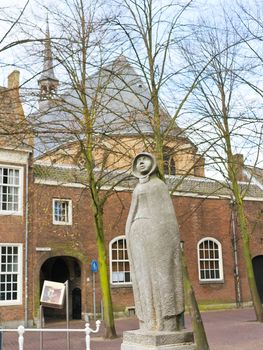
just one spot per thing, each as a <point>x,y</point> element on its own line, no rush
<point>62,269</point>
<point>258,268</point>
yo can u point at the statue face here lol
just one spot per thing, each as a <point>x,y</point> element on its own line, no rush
<point>143,165</point>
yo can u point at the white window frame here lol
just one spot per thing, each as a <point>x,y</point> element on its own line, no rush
<point>118,261</point>
<point>58,222</point>
<point>209,259</point>
<point>20,191</point>
<point>19,273</point>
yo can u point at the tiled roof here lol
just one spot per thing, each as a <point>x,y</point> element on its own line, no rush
<point>254,174</point>
<point>59,174</point>
<point>184,185</point>
<point>122,105</point>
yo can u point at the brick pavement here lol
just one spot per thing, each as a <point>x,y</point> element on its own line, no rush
<point>226,330</point>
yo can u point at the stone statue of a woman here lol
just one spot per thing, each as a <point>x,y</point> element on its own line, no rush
<point>154,250</point>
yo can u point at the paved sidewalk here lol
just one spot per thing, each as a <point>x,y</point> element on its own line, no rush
<point>226,330</point>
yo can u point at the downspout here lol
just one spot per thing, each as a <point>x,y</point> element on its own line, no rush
<point>26,243</point>
<point>235,253</point>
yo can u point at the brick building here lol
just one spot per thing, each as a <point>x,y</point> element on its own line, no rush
<point>15,159</point>
<point>47,230</point>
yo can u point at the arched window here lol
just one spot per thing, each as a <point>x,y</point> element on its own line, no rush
<point>168,161</point>
<point>210,263</point>
<point>119,262</point>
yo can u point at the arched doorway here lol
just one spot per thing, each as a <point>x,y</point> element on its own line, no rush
<point>258,268</point>
<point>62,269</point>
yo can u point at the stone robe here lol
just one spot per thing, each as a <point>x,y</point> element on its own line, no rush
<point>154,253</point>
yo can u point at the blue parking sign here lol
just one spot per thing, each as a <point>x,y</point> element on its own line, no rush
<point>94,266</point>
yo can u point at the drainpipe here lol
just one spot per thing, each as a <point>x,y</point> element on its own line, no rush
<point>26,243</point>
<point>234,245</point>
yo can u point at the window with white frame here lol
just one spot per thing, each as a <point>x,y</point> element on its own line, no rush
<point>210,260</point>
<point>119,262</point>
<point>10,274</point>
<point>10,190</point>
<point>62,212</point>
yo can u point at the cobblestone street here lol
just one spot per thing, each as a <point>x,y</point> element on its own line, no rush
<point>226,330</point>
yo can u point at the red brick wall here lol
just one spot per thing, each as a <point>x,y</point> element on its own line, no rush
<point>12,229</point>
<point>197,217</point>
<point>76,240</point>
<point>200,218</point>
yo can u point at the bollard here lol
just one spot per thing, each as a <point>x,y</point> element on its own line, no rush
<point>21,331</point>
<point>88,330</point>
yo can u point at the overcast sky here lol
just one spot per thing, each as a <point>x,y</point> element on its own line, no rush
<point>17,58</point>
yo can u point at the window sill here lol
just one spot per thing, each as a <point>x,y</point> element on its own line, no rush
<point>128,285</point>
<point>60,223</point>
<point>10,303</point>
<point>212,282</point>
<point>8,212</point>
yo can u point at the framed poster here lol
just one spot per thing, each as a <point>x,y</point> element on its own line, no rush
<point>53,294</point>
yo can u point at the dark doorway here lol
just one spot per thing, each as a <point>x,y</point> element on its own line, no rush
<point>62,269</point>
<point>60,272</point>
<point>76,304</point>
<point>258,271</point>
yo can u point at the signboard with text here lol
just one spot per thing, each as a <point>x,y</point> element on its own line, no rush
<point>53,294</point>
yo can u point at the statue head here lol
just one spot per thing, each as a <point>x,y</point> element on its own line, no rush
<point>144,165</point>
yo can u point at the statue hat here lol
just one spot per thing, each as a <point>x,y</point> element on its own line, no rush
<point>153,169</point>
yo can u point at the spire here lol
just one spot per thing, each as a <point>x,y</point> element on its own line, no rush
<point>47,82</point>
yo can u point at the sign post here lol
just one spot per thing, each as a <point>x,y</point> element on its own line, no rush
<point>53,296</point>
<point>1,338</point>
<point>41,315</point>
<point>94,269</point>
<point>67,313</point>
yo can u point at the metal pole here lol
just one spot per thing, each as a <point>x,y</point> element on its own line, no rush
<point>94,295</point>
<point>26,245</point>
<point>67,313</point>
<point>102,309</point>
<point>236,268</point>
<point>1,338</point>
<point>41,326</point>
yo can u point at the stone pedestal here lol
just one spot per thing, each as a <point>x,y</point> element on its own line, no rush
<point>145,340</point>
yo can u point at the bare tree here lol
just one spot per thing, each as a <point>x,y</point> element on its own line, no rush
<point>226,124</point>
<point>14,128</point>
<point>153,32</point>
<point>249,29</point>
<point>72,123</point>
<point>10,24</point>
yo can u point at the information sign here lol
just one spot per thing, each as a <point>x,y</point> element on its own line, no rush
<point>94,266</point>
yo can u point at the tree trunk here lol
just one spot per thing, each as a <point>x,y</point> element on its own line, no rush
<point>97,208</point>
<point>242,221</point>
<point>196,319</point>
<point>243,225</point>
<point>104,278</point>
<point>248,261</point>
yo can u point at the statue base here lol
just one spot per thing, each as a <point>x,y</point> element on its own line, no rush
<point>147,340</point>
